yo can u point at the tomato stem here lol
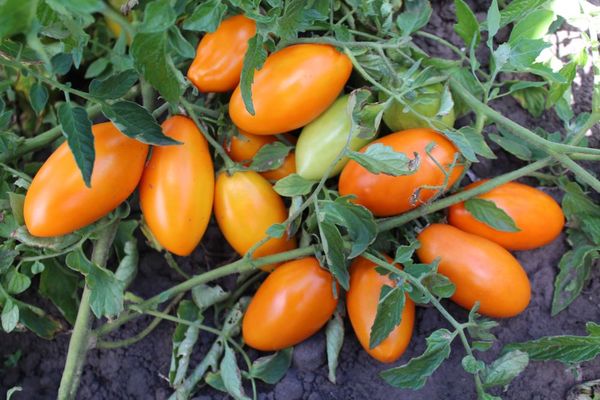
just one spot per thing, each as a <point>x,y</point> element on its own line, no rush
<point>80,339</point>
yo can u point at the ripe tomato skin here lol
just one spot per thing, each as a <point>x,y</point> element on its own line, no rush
<point>323,139</point>
<point>295,85</point>
<point>291,305</point>
<point>245,146</point>
<point>220,55</point>
<point>245,207</point>
<point>178,210</point>
<point>362,299</point>
<point>481,270</point>
<point>537,215</point>
<point>58,202</point>
<point>386,195</point>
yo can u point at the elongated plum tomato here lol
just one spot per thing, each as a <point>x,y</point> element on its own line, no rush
<point>481,270</point>
<point>58,202</point>
<point>245,207</point>
<point>295,85</point>
<point>291,305</point>
<point>539,218</point>
<point>323,139</point>
<point>387,195</point>
<point>176,190</point>
<point>220,55</point>
<point>245,146</point>
<point>362,299</point>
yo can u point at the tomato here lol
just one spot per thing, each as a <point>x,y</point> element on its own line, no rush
<point>245,207</point>
<point>245,146</point>
<point>387,195</point>
<point>220,55</point>
<point>425,102</point>
<point>362,299</point>
<point>481,270</point>
<point>323,139</point>
<point>176,190</point>
<point>295,85</point>
<point>539,218</point>
<point>291,305</point>
<point>58,202</point>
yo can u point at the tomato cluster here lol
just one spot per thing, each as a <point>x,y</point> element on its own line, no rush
<point>178,192</point>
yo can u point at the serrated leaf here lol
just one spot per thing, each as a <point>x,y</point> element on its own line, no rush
<point>38,95</point>
<point>489,213</point>
<point>534,26</point>
<point>461,142</point>
<point>574,271</point>
<point>184,338</point>
<point>270,369</point>
<point>333,247</point>
<point>230,373</point>
<point>439,285</point>
<point>178,42</point>
<point>206,16</point>
<point>253,60</point>
<point>77,128</point>
<point>334,333</point>
<point>524,52</point>
<point>404,253</point>
<point>568,349</point>
<point>467,26</point>
<point>517,9</point>
<point>472,365</point>
<point>518,149</point>
<point>414,374</point>
<point>293,185</point>
<point>206,296</point>
<point>136,122</point>
<point>159,15</point>
<point>56,243</point>
<point>128,266</point>
<point>533,99</point>
<point>151,59</point>
<point>389,314</point>
<point>61,288</point>
<point>502,371</point>
<point>477,142</point>
<point>114,86</point>
<point>381,159</point>
<point>415,16</point>
<point>270,156</point>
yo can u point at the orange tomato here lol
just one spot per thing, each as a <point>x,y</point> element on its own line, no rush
<point>481,270</point>
<point>245,207</point>
<point>362,299</point>
<point>291,305</point>
<point>295,85</point>
<point>176,190</point>
<point>387,195</point>
<point>245,146</point>
<point>539,218</point>
<point>220,55</point>
<point>58,202</point>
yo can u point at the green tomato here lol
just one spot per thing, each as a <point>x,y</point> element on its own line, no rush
<point>426,102</point>
<point>323,139</point>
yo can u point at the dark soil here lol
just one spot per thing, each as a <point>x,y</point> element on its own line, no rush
<point>137,372</point>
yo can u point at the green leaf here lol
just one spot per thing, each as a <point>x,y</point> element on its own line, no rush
<point>16,282</point>
<point>439,285</point>
<point>502,371</point>
<point>232,378</point>
<point>17,202</point>
<point>461,142</point>
<point>493,22</point>
<point>524,52</point>
<point>270,156</point>
<point>206,17</point>
<point>158,17</point>
<point>128,266</point>
<point>333,247</point>
<point>60,287</point>
<point>107,292</point>
<point>389,314</point>
<point>271,369</point>
<point>415,16</point>
<point>136,122</point>
<point>381,159</point>
<point>206,296</point>
<point>533,99</point>
<point>293,185</point>
<point>255,57</point>
<point>97,67</point>
<point>472,365</point>
<point>356,219</point>
<point>489,213</point>
<point>151,59</point>
<point>77,128</point>
<point>477,142</point>
<point>414,374</point>
<point>334,332</point>
<point>178,42</point>
<point>534,26</point>
<point>10,392</point>
<point>38,95</point>
<point>517,9</point>
<point>566,348</point>
<point>114,86</point>
<point>61,63</point>
<point>56,243</point>
<point>10,316</point>
<point>16,16</point>
<point>574,271</point>
<point>184,339</point>
<point>514,147</point>
<point>581,211</point>
<point>276,230</point>
<point>404,254</point>
<point>39,323</point>
<point>467,26</point>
